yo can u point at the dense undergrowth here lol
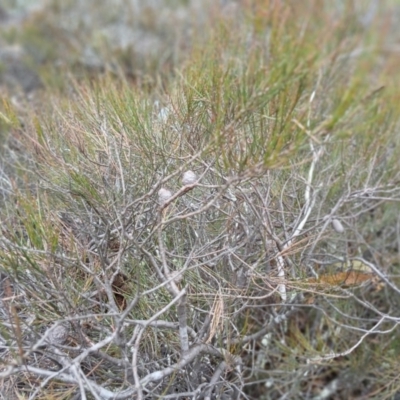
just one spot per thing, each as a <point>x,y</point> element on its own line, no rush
<point>217,220</point>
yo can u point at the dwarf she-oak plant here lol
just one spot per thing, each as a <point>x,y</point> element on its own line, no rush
<point>189,241</point>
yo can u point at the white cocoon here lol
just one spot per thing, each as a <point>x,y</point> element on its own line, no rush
<point>189,177</point>
<point>164,195</point>
<point>337,226</point>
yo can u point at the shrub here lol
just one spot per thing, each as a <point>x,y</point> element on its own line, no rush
<point>233,235</point>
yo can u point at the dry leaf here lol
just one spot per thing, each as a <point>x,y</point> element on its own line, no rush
<point>216,312</point>
<point>348,278</point>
